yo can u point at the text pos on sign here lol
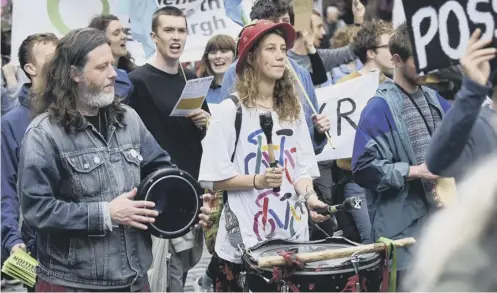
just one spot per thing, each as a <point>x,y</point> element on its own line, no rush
<point>440,29</point>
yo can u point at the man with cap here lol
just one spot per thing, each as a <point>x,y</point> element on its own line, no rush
<point>254,212</point>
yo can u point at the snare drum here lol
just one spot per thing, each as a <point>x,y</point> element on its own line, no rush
<point>323,276</point>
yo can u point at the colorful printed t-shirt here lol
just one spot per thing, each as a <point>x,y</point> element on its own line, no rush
<point>252,216</point>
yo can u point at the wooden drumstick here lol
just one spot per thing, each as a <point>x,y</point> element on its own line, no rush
<point>272,261</point>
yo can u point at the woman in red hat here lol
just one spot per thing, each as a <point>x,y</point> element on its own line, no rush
<point>236,155</point>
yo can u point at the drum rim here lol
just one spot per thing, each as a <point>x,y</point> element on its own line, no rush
<point>178,233</point>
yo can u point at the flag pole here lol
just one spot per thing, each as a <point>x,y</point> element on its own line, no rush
<point>299,83</point>
<point>295,76</point>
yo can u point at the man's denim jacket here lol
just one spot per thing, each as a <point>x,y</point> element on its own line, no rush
<point>66,181</point>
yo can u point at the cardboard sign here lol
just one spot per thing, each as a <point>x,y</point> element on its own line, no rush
<point>440,29</point>
<point>303,12</point>
<point>344,104</point>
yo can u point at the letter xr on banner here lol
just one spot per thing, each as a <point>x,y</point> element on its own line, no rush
<point>440,29</point>
<point>344,103</point>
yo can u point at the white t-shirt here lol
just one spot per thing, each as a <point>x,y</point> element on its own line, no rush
<point>252,216</point>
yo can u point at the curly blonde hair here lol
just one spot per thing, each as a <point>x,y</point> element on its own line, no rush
<point>344,36</point>
<point>285,100</point>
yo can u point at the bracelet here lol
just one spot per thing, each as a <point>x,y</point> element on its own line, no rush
<point>255,185</point>
<point>308,194</point>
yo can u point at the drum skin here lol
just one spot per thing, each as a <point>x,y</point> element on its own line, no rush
<point>177,198</point>
<point>323,276</point>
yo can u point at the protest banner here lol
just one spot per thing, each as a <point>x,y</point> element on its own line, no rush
<point>206,18</point>
<point>440,29</point>
<point>344,104</point>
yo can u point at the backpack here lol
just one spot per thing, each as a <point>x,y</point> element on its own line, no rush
<point>221,196</point>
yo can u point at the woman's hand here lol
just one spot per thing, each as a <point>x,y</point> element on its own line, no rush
<point>314,203</point>
<point>205,211</point>
<point>272,177</point>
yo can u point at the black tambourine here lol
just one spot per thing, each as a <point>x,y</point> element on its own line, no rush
<point>177,198</point>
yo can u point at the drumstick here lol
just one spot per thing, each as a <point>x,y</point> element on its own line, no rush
<point>272,261</point>
<point>349,204</point>
<point>266,122</point>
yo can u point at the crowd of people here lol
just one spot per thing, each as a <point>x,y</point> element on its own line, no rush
<point>87,125</point>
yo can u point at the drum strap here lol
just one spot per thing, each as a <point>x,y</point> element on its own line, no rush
<point>390,252</point>
<point>238,127</point>
<point>293,263</point>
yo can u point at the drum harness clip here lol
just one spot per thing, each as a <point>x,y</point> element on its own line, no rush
<point>354,283</point>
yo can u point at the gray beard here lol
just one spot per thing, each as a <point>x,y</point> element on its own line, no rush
<point>97,99</point>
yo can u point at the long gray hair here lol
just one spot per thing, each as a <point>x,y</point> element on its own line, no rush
<point>455,252</point>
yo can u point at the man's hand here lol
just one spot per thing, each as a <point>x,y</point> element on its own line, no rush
<point>123,210</point>
<point>421,172</point>
<point>475,64</point>
<point>308,37</point>
<point>199,117</point>
<point>321,123</point>
<point>17,247</point>
<point>205,211</point>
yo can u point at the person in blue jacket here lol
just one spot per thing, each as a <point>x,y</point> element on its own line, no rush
<point>388,158</point>
<point>33,53</point>
<point>468,133</point>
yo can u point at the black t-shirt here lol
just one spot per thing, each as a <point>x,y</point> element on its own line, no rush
<point>154,96</point>
<point>99,121</point>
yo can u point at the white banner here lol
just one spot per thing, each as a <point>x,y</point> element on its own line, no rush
<point>344,104</point>
<point>206,18</point>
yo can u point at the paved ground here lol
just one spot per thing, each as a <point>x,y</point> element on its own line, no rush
<point>193,275</point>
<point>198,270</point>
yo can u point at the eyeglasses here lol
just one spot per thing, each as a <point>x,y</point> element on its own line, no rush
<point>382,46</point>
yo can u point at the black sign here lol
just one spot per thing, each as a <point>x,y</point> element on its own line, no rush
<point>440,29</point>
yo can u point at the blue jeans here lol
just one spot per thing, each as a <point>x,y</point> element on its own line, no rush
<point>361,216</point>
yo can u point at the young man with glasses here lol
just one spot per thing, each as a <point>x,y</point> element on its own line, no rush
<point>370,45</point>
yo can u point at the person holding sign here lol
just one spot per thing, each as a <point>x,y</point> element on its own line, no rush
<point>391,140</point>
<point>237,158</point>
<point>278,12</point>
<point>467,134</point>
<point>371,46</point>
<point>158,86</point>
<point>304,49</point>
<point>331,58</point>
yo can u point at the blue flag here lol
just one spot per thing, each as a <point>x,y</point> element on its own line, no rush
<point>234,10</point>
